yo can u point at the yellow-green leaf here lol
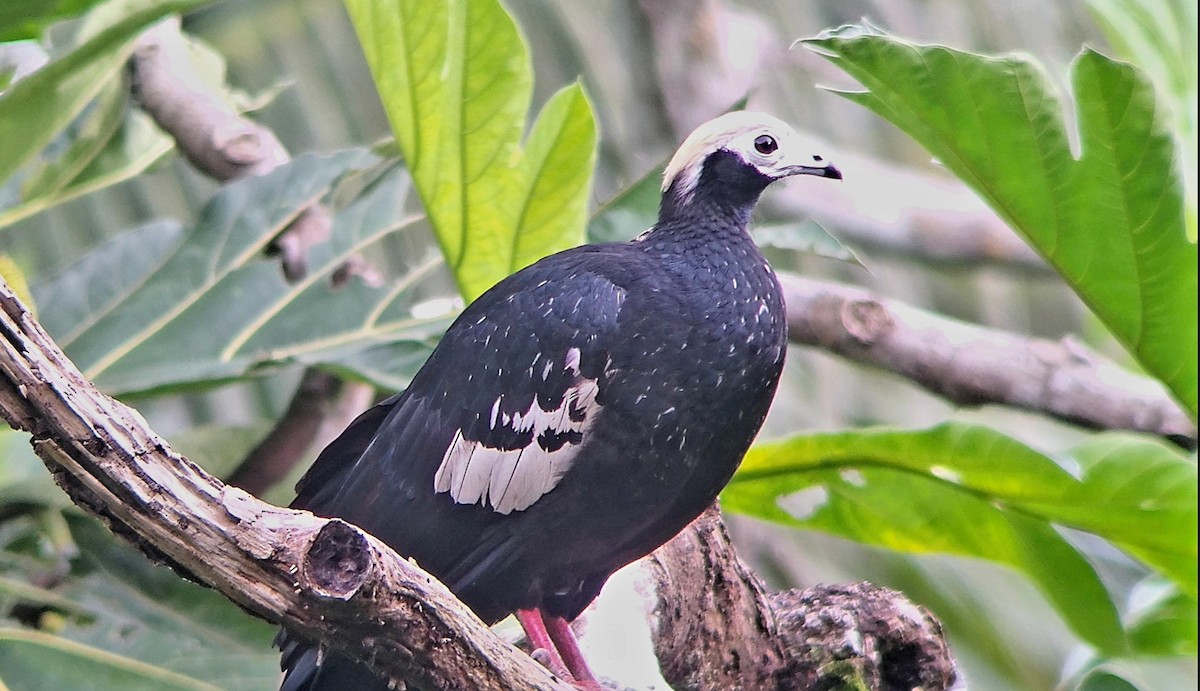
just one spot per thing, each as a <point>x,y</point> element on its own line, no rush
<point>455,80</point>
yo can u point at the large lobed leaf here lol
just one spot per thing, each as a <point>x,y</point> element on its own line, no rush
<point>159,307</point>
<point>968,490</point>
<point>1110,220</point>
<point>455,80</point>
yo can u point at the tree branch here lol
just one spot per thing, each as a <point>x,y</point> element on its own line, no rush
<point>321,407</point>
<point>713,626</point>
<point>974,365</point>
<point>324,579</point>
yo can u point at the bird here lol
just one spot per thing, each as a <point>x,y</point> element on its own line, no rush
<point>578,414</point>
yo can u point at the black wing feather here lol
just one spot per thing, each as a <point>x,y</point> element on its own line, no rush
<point>512,343</point>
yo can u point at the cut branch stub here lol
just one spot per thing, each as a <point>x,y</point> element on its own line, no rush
<point>338,561</point>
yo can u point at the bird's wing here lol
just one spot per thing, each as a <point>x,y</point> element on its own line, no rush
<point>500,409</point>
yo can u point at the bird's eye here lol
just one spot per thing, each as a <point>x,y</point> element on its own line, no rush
<point>765,144</point>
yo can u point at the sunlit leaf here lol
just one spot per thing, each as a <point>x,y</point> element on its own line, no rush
<point>455,80</point>
<point>1160,37</point>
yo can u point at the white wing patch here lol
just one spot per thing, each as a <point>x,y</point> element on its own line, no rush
<point>513,479</point>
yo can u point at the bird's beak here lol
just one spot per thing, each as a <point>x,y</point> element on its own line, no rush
<point>826,171</point>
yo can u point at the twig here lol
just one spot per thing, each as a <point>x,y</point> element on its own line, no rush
<point>974,365</point>
<point>292,435</point>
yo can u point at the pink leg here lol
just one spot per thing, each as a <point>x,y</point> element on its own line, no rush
<point>564,639</point>
<point>540,639</point>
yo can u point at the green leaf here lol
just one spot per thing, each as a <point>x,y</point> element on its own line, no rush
<point>1160,37</point>
<point>1110,221</point>
<point>93,285</point>
<point>39,106</point>
<point>806,236</point>
<point>143,313</point>
<point>455,81</point>
<point>33,660</point>
<point>552,183</point>
<point>968,490</point>
<point>119,622</point>
<point>84,143</point>
<point>388,366</point>
<point>1139,493</point>
<point>1164,620</point>
<point>630,212</point>
<point>25,19</point>
<point>135,145</point>
<point>1106,681</point>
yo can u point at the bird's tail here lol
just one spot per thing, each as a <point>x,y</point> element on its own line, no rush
<point>308,668</point>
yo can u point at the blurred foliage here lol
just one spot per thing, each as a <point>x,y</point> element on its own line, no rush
<point>1160,37</point>
<point>189,316</point>
<point>136,313</point>
<point>37,108</point>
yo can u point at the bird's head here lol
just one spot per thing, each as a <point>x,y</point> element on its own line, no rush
<point>732,159</point>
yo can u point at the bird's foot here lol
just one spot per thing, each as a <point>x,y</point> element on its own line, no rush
<point>555,647</point>
<point>551,661</point>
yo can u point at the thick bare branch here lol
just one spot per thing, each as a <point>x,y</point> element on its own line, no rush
<point>973,365</point>
<point>714,626</point>
<point>322,578</point>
